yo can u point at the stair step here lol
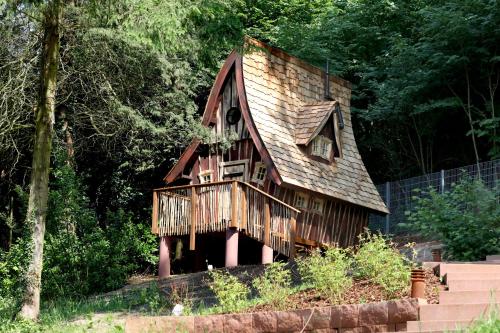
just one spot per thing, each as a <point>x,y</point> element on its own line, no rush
<point>436,326</point>
<point>433,312</point>
<point>495,257</point>
<point>470,276</point>
<point>470,285</point>
<point>469,297</point>
<point>477,267</point>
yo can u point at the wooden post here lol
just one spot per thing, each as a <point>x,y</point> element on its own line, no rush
<point>293,233</point>
<point>192,233</point>
<point>164,264</point>
<point>244,214</point>
<point>234,204</point>
<point>154,222</point>
<point>267,223</point>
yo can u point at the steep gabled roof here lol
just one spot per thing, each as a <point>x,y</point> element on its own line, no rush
<point>311,118</point>
<point>279,88</point>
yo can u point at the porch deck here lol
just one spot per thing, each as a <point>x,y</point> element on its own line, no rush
<point>221,205</point>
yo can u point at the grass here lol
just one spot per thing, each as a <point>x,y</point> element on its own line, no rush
<point>103,314</point>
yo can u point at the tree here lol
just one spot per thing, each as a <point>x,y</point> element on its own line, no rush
<point>44,122</point>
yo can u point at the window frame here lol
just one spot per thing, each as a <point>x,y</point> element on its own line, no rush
<point>305,198</point>
<point>258,167</point>
<point>321,204</point>
<point>318,144</point>
<point>206,173</point>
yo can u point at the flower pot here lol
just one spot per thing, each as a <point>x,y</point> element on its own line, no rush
<point>417,283</point>
<point>436,255</point>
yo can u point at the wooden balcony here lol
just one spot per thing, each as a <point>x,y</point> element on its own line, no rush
<point>212,207</point>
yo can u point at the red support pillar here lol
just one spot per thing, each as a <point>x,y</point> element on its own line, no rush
<point>231,247</point>
<point>164,265</point>
<point>267,254</point>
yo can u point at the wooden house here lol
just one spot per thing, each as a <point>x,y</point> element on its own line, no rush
<point>291,176</point>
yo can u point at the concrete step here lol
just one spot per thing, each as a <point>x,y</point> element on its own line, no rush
<point>471,276</point>
<point>477,267</point>
<point>469,297</point>
<point>469,285</point>
<point>436,326</point>
<point>460,312</point>
<point>495,257</point>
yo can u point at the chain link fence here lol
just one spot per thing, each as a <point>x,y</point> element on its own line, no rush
<point>399,196</point>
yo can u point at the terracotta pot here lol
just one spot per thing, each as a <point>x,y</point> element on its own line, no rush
<point>436,255</point>
<point>417,283</point>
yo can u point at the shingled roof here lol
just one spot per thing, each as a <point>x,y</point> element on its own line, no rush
<point>310,120</point>
<point>286,100</point>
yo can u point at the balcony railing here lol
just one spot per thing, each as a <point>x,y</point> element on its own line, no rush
<point>220,205</point>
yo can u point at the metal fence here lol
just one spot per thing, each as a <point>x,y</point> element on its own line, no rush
<point>399,196</point>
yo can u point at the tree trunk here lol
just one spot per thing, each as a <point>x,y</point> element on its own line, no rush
<point>39,183</point>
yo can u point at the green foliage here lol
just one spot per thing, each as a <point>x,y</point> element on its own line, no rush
<point>465,219</point>
<point>328,272</point>
<point>81,256</point>
<point>275,285</point>
<point>231,294</point>
<point>487,323</point>
<point>377,259</point>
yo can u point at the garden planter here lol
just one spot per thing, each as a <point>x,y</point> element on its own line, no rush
<point>436,255</point>
<point>417,283</point>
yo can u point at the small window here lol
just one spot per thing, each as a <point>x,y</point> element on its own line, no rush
<point>259,173</point>
<point>301,200</point>
<point>322,147</point>
<point>317,206</point>
<point>205,176</point>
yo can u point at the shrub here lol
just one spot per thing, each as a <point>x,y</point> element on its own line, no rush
<point>327,273</point>
<point>466,220</point>
<point>274,286</point>
<point>378,260</point>
<point>231,294</point>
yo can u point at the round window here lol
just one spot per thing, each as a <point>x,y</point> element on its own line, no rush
<point>233,115</point>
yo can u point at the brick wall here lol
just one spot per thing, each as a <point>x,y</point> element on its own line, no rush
<point>390,316</point>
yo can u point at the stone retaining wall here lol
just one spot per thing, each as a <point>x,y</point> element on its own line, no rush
<point>390,316</point>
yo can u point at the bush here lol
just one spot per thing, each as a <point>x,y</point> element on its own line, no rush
<point>327,273</point>
<point>466,220</point>
<point>274,286</point>
<point>231,294</point>
<point>82,255</point>
<point>378,260</point>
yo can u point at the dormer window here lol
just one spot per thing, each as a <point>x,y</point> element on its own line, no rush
<point>259,174</point>
<point>322,147</point>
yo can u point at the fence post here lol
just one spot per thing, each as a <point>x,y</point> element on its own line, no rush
<point>442,181</point>
<point>388,204</point>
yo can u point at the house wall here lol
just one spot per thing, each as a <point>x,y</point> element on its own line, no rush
<point>338,222</point>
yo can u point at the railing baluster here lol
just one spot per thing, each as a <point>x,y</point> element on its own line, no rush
<point>192,233</point>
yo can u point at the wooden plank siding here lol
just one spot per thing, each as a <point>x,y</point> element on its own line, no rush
<point>340,223</point>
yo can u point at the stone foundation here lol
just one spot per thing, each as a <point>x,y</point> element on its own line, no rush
<point>390,316</point>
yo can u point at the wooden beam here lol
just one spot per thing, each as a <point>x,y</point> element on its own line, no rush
<point>293,226</point>
<point>267,223</point>
<point>154,219</point>
<point>243,209</point>
<point>234,204</point>
<point>192,233</point>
